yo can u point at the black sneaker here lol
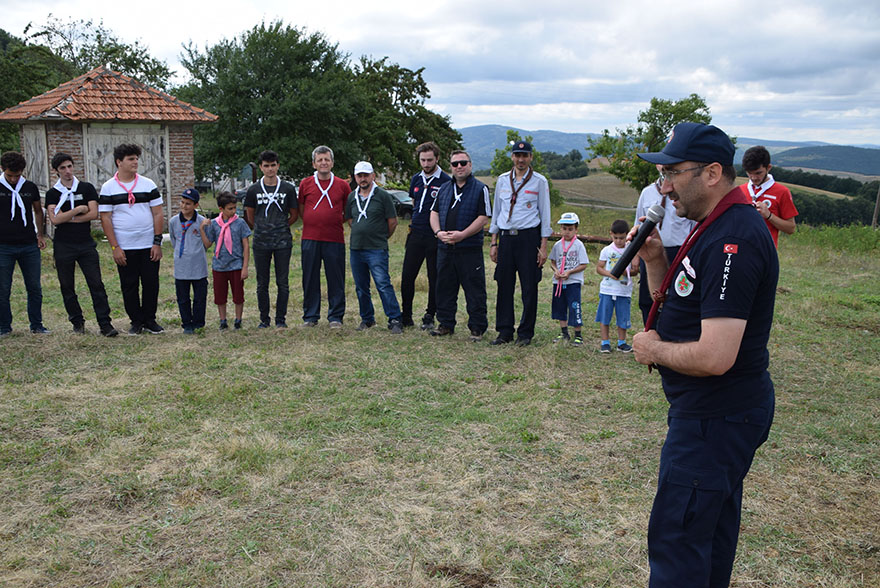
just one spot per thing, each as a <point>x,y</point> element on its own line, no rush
<point>79,329</point>
<point>427,323</point>
<point>108,330</point>
<point>407,323</point>
<point>135,330</point>
<point>40,330</point>
<point>153,327</point>
<point>395,327</point>
<point>500,340</point>
<point>624,348</point>
<point>263,325</point>
<point>523,341</point>
<point>475,336</point>
<point>280,325</point>
<point>223,325</point>
<point>236,324</point>
<point>365,325</point>
<point>189,331</point>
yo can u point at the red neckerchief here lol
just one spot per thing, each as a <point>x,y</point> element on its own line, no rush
<point>735,196</point>
<point>516,191</point>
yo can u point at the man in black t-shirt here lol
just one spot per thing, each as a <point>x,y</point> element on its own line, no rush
<point>72,205</point>
<point>21,238</point>
<point>270,207</point>
<point>710,347</point>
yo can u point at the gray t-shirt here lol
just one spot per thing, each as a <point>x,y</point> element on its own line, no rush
<point>225,261</point>
<point>271,211</point>
<point>189,264</point>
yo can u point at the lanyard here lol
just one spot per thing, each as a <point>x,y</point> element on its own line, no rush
<point>324,193</point>
<point>559,284</point>
<point>362,211</point>
<point>272,198</point>
<point>515,191</point>
<point>15,200</point>
<point>66,193</point>
<point>129,192</point>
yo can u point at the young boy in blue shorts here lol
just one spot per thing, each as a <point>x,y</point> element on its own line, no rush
<point>231,255</point>
<point>615,295</point>
<point>568,260</point>
<point>190,266</point>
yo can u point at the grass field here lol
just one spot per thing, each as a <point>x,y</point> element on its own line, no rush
<point>311,457</point>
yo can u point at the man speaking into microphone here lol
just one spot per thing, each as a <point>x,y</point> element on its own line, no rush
<point>710,347</point>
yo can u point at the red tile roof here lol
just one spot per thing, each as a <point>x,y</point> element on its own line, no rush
<point>106,95</point>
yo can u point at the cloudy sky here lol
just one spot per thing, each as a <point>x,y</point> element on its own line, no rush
<point>784,70</point>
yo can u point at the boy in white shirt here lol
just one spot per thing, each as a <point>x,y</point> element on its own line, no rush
<point>615,295</point>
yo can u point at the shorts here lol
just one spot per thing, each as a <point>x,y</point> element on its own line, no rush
<point>567,306</point>
<point>618,305</point>
<point>221,289</point>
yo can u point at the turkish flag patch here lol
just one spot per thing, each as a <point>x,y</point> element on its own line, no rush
<point>730,248</point>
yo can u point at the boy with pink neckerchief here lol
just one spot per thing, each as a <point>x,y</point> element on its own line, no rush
<point>615,295</point>
<point>231,254</point>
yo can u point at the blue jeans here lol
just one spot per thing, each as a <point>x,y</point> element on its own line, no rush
<point>366,262</point>
<point>28,258</point>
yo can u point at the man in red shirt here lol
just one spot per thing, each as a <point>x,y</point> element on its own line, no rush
<point>322,199</point>
<point>771,199</point>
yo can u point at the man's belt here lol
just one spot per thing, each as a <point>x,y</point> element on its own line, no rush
<point>513,232</point>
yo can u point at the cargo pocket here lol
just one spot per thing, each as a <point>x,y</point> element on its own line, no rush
<point>698,495</point>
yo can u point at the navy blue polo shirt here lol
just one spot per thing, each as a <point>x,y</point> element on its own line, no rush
<point>731,271</point>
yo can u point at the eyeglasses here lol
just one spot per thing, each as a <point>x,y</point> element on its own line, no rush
<point>459,163</point>
<point>671,174</point>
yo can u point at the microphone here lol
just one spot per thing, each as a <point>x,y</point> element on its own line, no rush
<point>652,217</point>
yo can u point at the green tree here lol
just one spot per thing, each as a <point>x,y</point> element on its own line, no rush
<point>654,126</point>
<point>86,45</point>
<point>30,70</point>
<point>502,163</point>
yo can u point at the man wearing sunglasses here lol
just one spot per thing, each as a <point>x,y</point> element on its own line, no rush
<point>458,217</point>
<point>710,347</point>
<point>520,227</point>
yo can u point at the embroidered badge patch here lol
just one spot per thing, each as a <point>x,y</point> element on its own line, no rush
<point>683,286</point>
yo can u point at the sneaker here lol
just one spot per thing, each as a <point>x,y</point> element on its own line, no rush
<point>189,331</point>
<point>135,330</point>
<point>475,337</point>
<point>79,329</point>
<point>407,323</point>
<point>263,325</point>
<point>237,324</point>
<point>577,341</point>
<point>280,325</point>
<point>606,348</point>
<point>5,333</point>
<point>427,323</point>
<point>523,341</point>
<point>108,330</point>
<point>153,327</point>
<point>441,331</point>
<point>500,340</point>
<point>223,325</point>
<point>365,325</point>
<point>624,348</point>
<point>395,327</point>
<point>335,324</point>
<point>560,338</point>
<point>41,330</point>
<point>310,323</point>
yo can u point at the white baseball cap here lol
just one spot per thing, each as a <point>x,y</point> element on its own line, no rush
<point>363,167</point>
<point>569,218</point>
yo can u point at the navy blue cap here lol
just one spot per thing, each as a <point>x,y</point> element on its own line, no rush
<point>522,147</point>
<point>694,142</point>
<point>191,194</point>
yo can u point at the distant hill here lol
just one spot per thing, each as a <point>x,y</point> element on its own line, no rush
<point>482,141</point>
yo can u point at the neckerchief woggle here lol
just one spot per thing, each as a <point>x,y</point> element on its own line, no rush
<point>362,211</point>
<point>559,283</point>
<point>184,227</point>
<point>225,236</point>
<point>735,196</point>
<point>15,200</point>
<point>272,198</point>
<point>129,192</point>
<point>755,194</point>
<point>66,193</point>
<point>324,193</point>
<point>515,191</point>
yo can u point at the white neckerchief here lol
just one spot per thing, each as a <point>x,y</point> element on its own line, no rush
<point>456,194</point>
<point>273,197</point>
<point>324,193</point>
<point>426,181</point>
<point>768,182</point>
<point>15,200</point>
<point>362,210</point>
<point>65,193</point>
